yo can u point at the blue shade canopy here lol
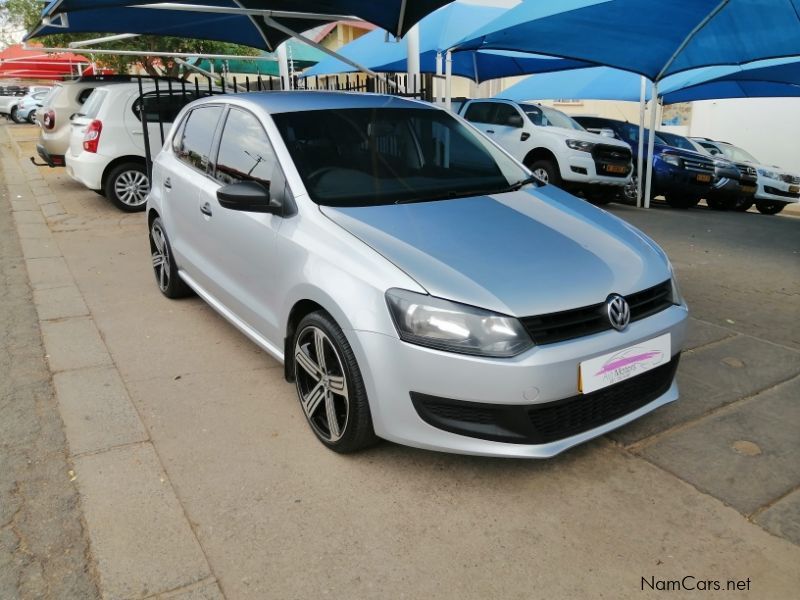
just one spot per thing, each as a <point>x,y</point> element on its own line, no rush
<point>437,32</point>
<point>720,90</point>
<point>594,83</point>
<point>654,39</point>
<point>238,29</point>
<point>397,16</point>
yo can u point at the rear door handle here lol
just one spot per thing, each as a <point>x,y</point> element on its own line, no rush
<point>168,183</point>
<point>206,209</point>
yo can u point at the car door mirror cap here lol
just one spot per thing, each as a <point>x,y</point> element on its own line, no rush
<point>249,196</point>
<point>515,121</point>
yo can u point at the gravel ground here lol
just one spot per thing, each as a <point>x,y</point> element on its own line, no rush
<point>43,550</point>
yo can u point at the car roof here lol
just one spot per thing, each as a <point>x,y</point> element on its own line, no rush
<point>302,101</point>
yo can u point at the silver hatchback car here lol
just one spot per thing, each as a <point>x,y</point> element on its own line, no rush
<point>415,281</point>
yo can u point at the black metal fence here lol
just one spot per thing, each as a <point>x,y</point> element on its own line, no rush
<point>161,99</point>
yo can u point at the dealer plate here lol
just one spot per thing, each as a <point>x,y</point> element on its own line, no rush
<point>704,178</point>
<point>616,169</point>
<point>794,189</point>
<point>611,368</point>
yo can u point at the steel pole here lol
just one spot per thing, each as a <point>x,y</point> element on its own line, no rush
<point>640,154</point>
<point>651,140</point>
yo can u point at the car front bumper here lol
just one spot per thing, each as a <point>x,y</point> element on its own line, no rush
<point>394,370</point>
<point>87,168</point>
<point>775,189</point>
<point>581,168</point>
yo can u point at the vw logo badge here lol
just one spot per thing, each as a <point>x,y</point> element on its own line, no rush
<point>619,313</point>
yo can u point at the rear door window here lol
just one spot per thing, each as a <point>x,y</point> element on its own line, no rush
<point>194,147</point>
<point>480,112</point>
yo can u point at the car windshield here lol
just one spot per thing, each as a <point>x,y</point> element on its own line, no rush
<point>550,117</point>
<point>676,141</point>
<point>372,156</point>
<point>736,154</point>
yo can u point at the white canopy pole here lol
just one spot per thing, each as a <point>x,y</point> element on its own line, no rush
<point>448,80</point>
<point>640,153</point>
<point>438,96</point>
<point>412,60</point>
<point>283,67</point>
<point>651,140</point>
<point>101,40</point>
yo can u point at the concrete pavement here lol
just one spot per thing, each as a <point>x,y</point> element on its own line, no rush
<point>199,477</point>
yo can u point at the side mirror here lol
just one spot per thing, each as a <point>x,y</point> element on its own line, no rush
<point>514,121</point>
<point>609,133</point>
<point>248,196</point>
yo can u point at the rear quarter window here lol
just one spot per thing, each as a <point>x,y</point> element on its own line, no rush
<point>94,103</point>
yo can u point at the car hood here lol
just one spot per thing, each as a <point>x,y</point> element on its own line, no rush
<point>520,253</point>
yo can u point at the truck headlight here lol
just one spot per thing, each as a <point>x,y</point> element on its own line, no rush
<point>581,145</point>
<point>452,327</point>
<point>768,174</point>
<point>673,160</point>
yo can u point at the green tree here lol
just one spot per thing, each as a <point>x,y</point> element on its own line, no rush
<point>26,14</point>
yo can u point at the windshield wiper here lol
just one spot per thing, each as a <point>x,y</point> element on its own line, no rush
<point>452,194</point>
<point>520,184</point>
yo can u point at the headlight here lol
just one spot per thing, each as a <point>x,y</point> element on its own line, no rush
<point>444,325</point>
<point>671,159</point>
<point>580,145</point>
<point>768,174</point>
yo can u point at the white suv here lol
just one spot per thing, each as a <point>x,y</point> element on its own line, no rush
<point>106,149</point>
<point>554,146</point>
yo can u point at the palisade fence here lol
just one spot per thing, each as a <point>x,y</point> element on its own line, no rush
<point>162,98</point>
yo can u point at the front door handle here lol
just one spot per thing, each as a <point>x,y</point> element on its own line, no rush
<point>525,135</point>
<point>206,209</point>
<point>168,183</point>
<point>490,131</point>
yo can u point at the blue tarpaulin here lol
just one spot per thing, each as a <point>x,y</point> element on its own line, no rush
<point>655,39</point>
<point>397,16</point>
<point>437,32</point>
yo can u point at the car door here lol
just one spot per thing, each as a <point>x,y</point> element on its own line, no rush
<point>239,246</point>
<point>185,170</point>
<point>510,129</point>
<point>481,115</point>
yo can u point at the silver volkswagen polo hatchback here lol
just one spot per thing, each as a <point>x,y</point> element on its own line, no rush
<point>417,284</point>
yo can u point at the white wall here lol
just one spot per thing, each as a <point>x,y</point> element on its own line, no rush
<point>768,128</point>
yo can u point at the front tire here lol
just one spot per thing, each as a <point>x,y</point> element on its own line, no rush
<point>127,186</point>
<point>14,116</point>
<point>682,202</point>
<point>547,171</point>
<point>329,385</point>
<point>32,117</point>
<point>770,207</point>
<point>717,204</point>
<point>164,267</point>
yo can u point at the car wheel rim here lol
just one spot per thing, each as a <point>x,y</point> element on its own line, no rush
<point>321,384</point>
<point>160,253</point>
<point>132,187</point>
<point>631,189</point>
<point>542,175</point>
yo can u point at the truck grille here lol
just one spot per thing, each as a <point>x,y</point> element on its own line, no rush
<point>747,172</point>
<point>605,154</point>
<point>699,166</point>
<point>580,322</point>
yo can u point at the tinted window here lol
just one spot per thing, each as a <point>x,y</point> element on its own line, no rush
<point>370,156</point>
<point>245,153</point>
<point>164,106</point>
<point>84,95</point>
<point>480,112</point>
<point>676,141</point>
<point>544,116</point>
<point>197,136</point>
<point>503,115</point>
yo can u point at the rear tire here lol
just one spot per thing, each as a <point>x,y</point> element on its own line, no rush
<point>32,116</point>
<point>682,202</point>
<point>164,267</point>
<point>127,186</point>
<point>329,385</point>
<point>770,207</point>
<point>547,171</point>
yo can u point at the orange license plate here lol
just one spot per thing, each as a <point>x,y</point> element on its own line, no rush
<point>748,189</point>
<point>615,169</point>
<point>794,189</point>
<point>704,178</point>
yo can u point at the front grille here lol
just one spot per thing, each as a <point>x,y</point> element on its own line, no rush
<point>547,422</point>
<point>748,173</point>
<point>559,420</point>
<point>580,322</point>
<point>699,166</point>
<point>604,154</point>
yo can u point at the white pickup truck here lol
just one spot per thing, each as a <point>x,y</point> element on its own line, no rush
<point>555,147</point>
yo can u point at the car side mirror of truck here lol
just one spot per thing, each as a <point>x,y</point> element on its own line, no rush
<point>514,121</point>
<point>249,196</point>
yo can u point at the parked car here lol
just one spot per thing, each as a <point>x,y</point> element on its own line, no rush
<point>413,277</point>
<point>11,95</point>
<point>554,146</point>
<point>776,187</point>
<point>107,149</point>
<point>683,177</point>
<point>27,105</point>
<point>58,109</point>
<point>734,183</point>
